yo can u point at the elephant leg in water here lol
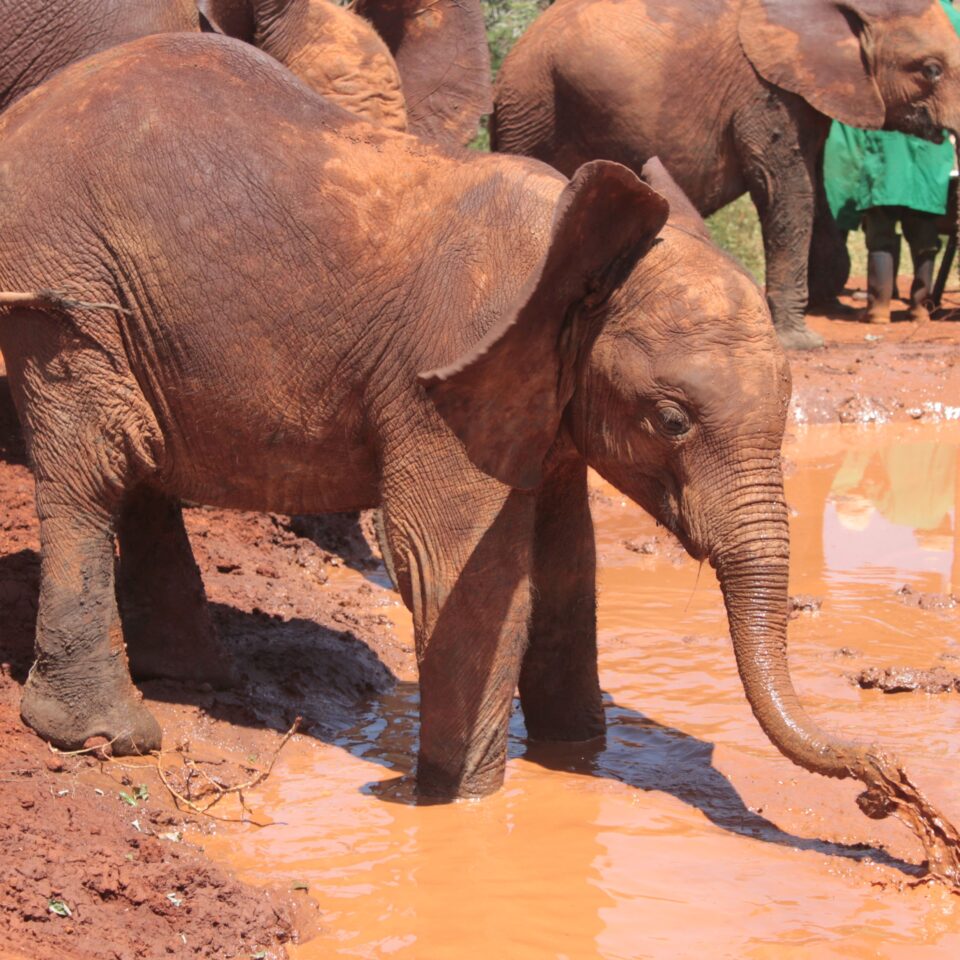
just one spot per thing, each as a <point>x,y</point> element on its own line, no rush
<point>163,606</point>
<point>460,543</point>
<point>559,682</point>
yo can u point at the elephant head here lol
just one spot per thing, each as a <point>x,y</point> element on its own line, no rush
<point>411,65</point>
<point>655,352</point>
<point>892,64</point>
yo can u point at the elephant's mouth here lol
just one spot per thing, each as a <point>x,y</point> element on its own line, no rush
<point>916,119</point>
<point>668,514</point>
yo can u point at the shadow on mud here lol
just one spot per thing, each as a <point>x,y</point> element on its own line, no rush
<point>647,755</point>
<point>637,751</point>
<point>348,536</point>
<point>287,668</point>
<point>349,698</point>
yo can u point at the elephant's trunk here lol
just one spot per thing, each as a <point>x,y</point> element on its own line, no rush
<point>752,565</point>
<point>751,557</point>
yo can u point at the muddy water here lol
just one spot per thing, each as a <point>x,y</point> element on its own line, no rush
<point>686,834</point>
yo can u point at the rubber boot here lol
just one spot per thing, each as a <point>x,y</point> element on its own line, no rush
<point>921,291</point>
<point>880,279</point>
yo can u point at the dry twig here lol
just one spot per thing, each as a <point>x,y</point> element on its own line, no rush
<point>221,791</point>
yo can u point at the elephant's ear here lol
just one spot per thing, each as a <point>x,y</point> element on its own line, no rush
<point>232,18</point>
<point>505,399</point>
<point>441,51</point>
<point>682,212</point>
<point>812,48</point>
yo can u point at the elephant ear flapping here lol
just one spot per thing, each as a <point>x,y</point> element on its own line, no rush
<point>440,47</point>
<point>812,48</point>
<point>505,399</point>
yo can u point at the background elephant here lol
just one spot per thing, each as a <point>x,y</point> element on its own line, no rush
<point>430,59</point>
<point>732,95</point>
<point>408,64</point>
<point>453,336</point>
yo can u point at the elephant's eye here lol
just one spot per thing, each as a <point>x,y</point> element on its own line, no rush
<point>932,71</point>
<point>672,419</point>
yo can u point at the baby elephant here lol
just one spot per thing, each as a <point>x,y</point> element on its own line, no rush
<point>264,303</point>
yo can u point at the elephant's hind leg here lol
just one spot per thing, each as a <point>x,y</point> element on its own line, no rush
<point>91,437</point>
<point>166,621</point>
<point>559,683</point>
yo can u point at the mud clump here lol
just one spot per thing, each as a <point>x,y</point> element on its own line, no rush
<point>804,603</point>
<point>926,601</point>
<point>860,409</point>
<point>907,679</point>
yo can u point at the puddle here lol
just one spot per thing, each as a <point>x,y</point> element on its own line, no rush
<point>686,835</point>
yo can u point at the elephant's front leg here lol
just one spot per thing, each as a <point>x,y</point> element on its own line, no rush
<point>559,682</point>
<point>461,546</point>
<point>778,166</point>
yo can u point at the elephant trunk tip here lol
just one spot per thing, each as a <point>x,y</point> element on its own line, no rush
<point>891,792</point>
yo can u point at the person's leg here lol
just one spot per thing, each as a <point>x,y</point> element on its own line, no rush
<point>921,231</point>
<point>883,245</point>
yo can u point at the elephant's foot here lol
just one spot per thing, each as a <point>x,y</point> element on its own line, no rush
<point>69,715</point>
<point>440,784</point>
<point>189,655</point>
<point>799,337</point>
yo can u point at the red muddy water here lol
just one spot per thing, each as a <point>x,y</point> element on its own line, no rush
<point>686,834</point>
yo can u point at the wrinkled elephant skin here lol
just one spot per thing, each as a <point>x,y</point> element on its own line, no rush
<point>408,64</point>
<point>732,96</point>
<point>313,314</point>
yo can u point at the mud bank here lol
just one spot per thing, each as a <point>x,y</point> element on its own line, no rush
<point>309,638</point>
<point>871,373</point>
<point>686,810</point>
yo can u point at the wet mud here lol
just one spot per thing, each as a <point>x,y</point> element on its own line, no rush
<point>683,833</point>
<point>880,373</point>
<point>907,679</point>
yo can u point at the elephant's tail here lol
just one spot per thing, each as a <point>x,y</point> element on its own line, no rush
<point>51,301</point>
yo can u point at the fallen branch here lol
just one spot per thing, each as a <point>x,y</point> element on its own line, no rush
<point>97,747</point>
<point>56,300</point>
<point>221,791</point>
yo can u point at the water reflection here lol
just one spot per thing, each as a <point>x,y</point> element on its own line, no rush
<point>895,505</point>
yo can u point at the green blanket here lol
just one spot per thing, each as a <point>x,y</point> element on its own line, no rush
<point>879,168</point>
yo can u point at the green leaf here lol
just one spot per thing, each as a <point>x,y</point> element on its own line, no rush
<point>141,792</point>
<point>126,798</point>
<point>59,907</point>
